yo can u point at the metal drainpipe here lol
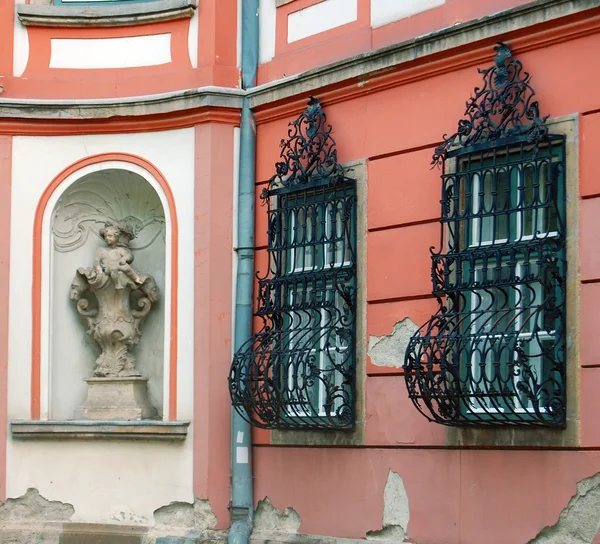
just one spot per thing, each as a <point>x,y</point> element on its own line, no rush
<point>242,504</point>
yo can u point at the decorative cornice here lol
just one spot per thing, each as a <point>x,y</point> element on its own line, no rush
<point>441,52</point>
<point>120,125</point>
<point>102,108</point>
<point>401,63</point>
<point>105,15</point>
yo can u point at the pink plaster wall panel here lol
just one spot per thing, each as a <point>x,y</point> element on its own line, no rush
<point>419,113</point>
<point>555,75</point>
<point>212,323</point>
<point>403,189</point>
<point>339,492</point>
<point>398,261</point>
<point>589,243</point>
<point>590,407</point>
<point>588,323</point>
<point>455,497</point>
<point>349,122</point>
<point>589,180</point>
<point>268,148</point>
<point>392,419</point>
<point>382,317</point>
<point>507,497</point>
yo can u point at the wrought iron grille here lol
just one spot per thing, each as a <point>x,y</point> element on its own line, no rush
<point>494,353</point>
<point>298,371</point>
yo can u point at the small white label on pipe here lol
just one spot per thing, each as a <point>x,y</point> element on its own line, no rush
<point>241,455</point>
<point>240,437</point>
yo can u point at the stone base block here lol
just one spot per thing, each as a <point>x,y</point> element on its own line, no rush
<point>116,399</point>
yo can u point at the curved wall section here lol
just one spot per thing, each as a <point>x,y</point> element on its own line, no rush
<point>149,474</point>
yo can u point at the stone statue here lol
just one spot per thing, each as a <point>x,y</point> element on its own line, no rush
<point>122,298</point>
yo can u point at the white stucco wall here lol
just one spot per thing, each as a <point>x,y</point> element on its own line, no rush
<point>266,26</point>
<point>320,17</point>
<point>97,476</point>
<point>388,11</point>
<point>129,52</point>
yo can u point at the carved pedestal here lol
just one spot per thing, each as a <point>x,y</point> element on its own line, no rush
<point>116,399</point>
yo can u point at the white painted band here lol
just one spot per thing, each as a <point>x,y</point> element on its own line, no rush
<point>321,17</point>
<point>130,52</point>
<point>386,11</point>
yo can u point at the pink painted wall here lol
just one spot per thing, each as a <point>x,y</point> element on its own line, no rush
<point>213,306</point>
<point>456,496</point>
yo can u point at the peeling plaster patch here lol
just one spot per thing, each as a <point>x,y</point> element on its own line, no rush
<point>268,519</point>
<point>199,515</point>
<point>122,514</point>
<point>395,511</point>
<point>32,506</point>
<point>389,350</point>
<point>579,522</point>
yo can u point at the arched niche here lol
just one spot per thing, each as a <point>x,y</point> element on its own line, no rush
<point>78,211</point>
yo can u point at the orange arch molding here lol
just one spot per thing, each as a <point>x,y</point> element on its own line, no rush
<point>37,272</point>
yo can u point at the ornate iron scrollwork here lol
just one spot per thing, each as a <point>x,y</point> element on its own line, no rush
<point>495,352</point>
<point>504,107</point>
<point>298,370</point>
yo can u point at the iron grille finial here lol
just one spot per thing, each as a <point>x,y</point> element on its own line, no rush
<point>309,153</point>
<point>504,107</point>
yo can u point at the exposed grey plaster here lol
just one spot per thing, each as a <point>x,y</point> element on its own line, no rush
<point>32,506</point>
<point>395,511</point>
<point>389,350</point>
<point>267,519</point>
<point>198,516</point>
<point>579,522</point>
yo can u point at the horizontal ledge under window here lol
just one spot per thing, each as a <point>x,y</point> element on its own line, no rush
<point>105,13</point>
<point>124,430</point>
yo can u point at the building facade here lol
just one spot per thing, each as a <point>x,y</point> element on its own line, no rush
<point>351,280</point>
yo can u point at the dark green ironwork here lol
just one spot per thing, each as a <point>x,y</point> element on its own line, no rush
<point>298,371</point>
<point>495,352</point>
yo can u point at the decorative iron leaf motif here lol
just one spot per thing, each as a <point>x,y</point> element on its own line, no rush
<point>502,108</point>
<point>309,153</point>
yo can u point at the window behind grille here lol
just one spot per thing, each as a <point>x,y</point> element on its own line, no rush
<point>496,353</point>
<point>298,370</point>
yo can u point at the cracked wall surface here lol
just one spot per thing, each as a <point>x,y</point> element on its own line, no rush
<point>388,351</point>
<point>579,522</point>
<point>396,511</point>
<point>33,519</point>
<point>32,506</point>
<point>268,519</point>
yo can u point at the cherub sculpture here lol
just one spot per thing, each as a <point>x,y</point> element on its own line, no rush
<point>123,298</point>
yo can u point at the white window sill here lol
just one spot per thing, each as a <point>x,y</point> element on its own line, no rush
<point>128,430</point>
<point>120,15</point>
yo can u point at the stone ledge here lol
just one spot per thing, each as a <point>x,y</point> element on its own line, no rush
<point>125,430</point>
<point>109,108</point>
<point>120,15</point>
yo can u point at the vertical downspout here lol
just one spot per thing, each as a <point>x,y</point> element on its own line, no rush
<point>242,505</point>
